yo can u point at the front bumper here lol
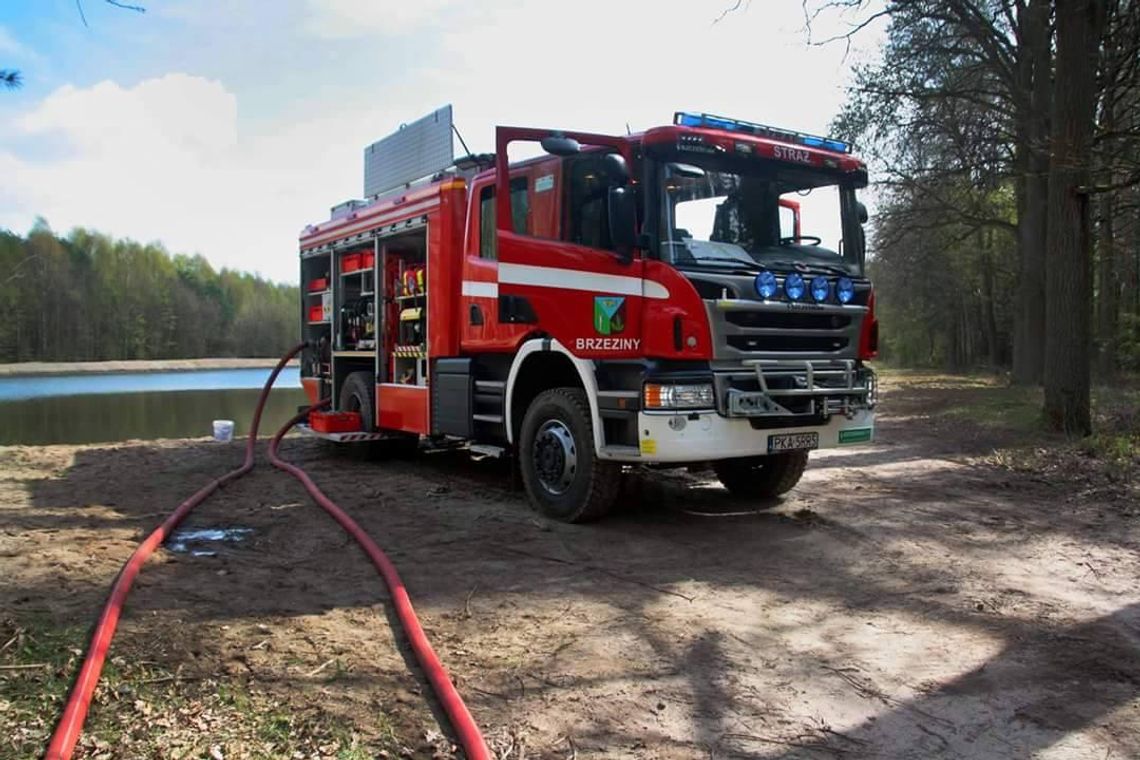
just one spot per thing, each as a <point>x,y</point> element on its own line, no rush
<point>755,401</point>
<point>704,436</point>
<point>798,391</point>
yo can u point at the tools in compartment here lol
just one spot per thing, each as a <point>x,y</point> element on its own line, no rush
<point>406,338</point>
<point>319,359</point>
<point>316,318</point>
<point>355,261</point>
<point>358,323</point>
<point>412,326</point>
<point>356,301</point>
<point>411,282</point>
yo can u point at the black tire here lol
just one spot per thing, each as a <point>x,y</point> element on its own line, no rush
<point>763,477</point>
<point>580,491</point>
<point>358,394</point>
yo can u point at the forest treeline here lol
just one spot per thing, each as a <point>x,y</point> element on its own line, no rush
<point>87,297</point>
<point>1004,136</point>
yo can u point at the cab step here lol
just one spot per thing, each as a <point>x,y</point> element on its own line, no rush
<point>487,450</point>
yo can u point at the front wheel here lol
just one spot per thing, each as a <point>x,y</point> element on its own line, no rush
<point>563,478</point>
<point>764,476</point>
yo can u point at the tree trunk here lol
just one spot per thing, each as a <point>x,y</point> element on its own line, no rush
<point>988,296</point>
<point>1106,307</point>
<point>1029,328</point>
<point>1068,275</point>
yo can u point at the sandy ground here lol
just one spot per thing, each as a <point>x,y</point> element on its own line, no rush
<point>141,365</point>
<point>911,599</point>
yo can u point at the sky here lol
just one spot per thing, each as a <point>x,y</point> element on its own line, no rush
<point>223,127</point>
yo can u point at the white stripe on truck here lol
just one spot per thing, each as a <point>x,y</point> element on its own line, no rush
<point>478,289</point>
<point>576,279</point>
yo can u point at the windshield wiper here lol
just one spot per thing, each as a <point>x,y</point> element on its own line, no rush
<point>813,265</point>
<point>753,267</point>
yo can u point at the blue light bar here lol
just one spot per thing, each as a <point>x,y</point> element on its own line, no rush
<point>706,121</point>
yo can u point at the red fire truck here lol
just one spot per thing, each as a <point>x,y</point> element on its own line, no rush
<point>691,294</point>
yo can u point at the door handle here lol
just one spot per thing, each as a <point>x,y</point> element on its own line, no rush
<point>475,314</point>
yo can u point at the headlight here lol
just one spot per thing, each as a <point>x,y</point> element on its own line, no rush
<point>844,290</point>
<point>679,396</point>
<point>766,284</point>
<point>794,286</point>
<point>820,287</point>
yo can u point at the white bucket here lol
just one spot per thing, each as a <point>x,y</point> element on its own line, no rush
<point>223,430</point>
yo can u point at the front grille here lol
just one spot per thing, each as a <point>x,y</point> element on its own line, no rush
<point>787,320</point>
<point>787,343</point>
<point>744,330</point>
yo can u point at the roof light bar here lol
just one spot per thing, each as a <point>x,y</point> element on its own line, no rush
<point>707,121</point>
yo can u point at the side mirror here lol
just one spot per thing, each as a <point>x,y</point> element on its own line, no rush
<point>559,144</point>
<point>622,211</point>
<point>861,210</point>
<point>616,169</point>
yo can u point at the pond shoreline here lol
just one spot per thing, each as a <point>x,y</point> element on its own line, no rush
<point>46,369</point>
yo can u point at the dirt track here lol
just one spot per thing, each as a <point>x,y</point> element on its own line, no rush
<point>908,601</point>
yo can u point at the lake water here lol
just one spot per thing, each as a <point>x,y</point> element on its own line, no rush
<point>92,408</point>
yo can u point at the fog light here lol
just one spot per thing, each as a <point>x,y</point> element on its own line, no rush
<point>844,290</point>
<point>679,396</point>
<point>820,288</point>
<point>794,286</point>
<point>766,284</point>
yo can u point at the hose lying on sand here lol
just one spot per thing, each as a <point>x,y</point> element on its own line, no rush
<point>70,725</point>
<point>465,727</point>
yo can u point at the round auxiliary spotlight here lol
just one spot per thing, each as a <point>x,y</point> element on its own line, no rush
<point>794,286</point>
<point>820,288</point>
<point>766,284</point>
<point>844,290</point>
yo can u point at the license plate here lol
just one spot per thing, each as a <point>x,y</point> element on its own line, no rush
<point>792,442</point>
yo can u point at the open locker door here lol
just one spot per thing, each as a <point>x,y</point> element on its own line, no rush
<point>569,269</point>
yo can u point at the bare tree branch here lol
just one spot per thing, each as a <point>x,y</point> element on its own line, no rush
<point>115,3</point>
<point>732,9</point>
<point>126,6</point>
<point>1130,181</point>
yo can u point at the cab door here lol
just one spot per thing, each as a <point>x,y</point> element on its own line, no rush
<point>572,273</point>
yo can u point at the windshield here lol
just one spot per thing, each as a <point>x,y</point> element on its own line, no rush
<point>721,213</point>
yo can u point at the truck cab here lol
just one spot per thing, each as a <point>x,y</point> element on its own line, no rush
<point>695,293</point>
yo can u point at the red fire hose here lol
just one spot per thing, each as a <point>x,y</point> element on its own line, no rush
<point>79,700</point>
<point>465,727</point>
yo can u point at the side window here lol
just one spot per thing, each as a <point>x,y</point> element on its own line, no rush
<point>787,222</point>
<point>519,212</point>
<point>587,217</point>
<point>520,205</point>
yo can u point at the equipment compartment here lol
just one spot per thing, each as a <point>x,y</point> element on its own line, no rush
<point>406,309</point>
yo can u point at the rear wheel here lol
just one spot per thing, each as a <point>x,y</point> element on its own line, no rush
<point>563,478</point>
<point>358,394</point>
<point>764,476</point>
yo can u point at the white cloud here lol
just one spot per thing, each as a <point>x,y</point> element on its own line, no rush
<point>12,48</point>
<point>175,114</point>
<point>157,161</point>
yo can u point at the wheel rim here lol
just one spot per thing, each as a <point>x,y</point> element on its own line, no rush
<point>555,457</point>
